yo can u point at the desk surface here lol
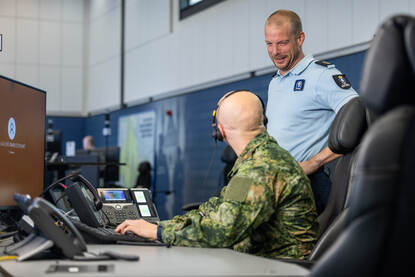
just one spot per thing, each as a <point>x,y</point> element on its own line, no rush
<point>163,261</point>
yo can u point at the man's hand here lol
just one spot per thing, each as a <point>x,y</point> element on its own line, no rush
<point>309,166</point>
<point>139,227</point>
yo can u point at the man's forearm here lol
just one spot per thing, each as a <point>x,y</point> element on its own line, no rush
<point>323,157</point>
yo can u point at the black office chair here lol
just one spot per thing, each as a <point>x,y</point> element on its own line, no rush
<point>377,240</point>
<point>144,175</point>
<point>346,133</point>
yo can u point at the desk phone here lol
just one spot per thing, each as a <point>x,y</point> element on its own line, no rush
<point>119,204</point>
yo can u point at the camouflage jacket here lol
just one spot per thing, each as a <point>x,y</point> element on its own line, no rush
<point>267,209</point>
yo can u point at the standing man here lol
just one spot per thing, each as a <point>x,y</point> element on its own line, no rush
<point>303,99</point>
<point>267,209</point>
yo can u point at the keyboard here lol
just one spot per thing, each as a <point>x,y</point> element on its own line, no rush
<point>106,235</point>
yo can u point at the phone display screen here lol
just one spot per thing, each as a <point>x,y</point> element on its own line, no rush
<point>114,195</point>
<point>139,197</point>
<point>144,210</point>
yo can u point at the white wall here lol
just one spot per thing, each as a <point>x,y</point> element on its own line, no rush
<point>227,39</point>
<point>43,47</point>
<point>103,62</point>
<point>49,44</point>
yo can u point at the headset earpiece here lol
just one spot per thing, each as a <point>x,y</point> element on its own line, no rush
<point>263,110</point>
<point>217,136</point>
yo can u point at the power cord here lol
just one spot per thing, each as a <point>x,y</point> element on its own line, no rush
<point>5,258</point>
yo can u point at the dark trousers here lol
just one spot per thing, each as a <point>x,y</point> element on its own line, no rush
<point>320,184</point>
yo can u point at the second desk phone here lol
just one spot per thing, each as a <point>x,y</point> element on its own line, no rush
<point>119,204</point>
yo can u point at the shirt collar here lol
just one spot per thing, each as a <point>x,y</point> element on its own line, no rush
<point>300,66</point>
<point>249,151</point>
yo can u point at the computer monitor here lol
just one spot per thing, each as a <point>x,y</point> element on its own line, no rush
<point>112,171</point>
<point>22,140</point>
<point>54,141</point>
<point>110,155</point>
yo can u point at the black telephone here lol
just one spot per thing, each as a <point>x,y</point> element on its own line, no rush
<point>56,231</point>
<point>85,201</point>
<point>53,230</point>
<point>120,204</point>
<point>109,206</point>
<point>67,238</point>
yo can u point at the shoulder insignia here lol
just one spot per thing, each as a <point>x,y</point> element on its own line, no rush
<point>324,63</point>
<point>238,188</point>
<point>342,81</point>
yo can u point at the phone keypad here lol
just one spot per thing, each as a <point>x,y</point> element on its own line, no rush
<point>117,213</point>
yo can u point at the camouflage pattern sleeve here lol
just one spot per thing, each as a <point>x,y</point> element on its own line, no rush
<point>223,221</point>
<point>267,209</point>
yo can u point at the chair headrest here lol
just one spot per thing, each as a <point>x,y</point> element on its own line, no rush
<point>348,127</point>
<point>228,155</point>
<point>144,167</point>
<point>388,77</point>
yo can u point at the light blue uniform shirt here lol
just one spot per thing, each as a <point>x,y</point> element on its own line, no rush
<point>302,105</point>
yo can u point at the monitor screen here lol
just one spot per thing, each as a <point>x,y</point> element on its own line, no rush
<point>110,155</point>
<point>22,140</point>
<point>54,141</point>
<point>144,210</point>
<point>139,197</point>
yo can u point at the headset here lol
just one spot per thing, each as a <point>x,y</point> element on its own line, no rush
<point>217,136</point>
<point>78,178</point>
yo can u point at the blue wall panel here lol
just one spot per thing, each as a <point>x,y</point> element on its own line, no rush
<point>72,129</point>
<point>184,146</point>
<point>352,66</point>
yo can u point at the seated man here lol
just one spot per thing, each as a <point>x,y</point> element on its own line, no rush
<point>267,209</point>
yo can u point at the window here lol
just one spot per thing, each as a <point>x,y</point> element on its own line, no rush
<point>190,7</point>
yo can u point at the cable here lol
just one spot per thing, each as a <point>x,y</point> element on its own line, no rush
<point>210,164</point>
<point>57,182</point>
<point>108,224</point>
<point>69,212</point>
<point>5,258</point>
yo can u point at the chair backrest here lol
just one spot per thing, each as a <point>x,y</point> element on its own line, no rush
<point>346,133</point>
<point>144,176</point>
<point>377,239</point>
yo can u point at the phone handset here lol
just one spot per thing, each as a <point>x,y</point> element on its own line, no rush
<point>57,227</point>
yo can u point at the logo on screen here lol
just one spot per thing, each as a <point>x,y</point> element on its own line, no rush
<point>12,128</point>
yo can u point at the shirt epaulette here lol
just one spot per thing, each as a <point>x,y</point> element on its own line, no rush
<point>324,63</point>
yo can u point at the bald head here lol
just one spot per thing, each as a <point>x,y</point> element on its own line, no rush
<point>283,17</point>
<point>241,113</point>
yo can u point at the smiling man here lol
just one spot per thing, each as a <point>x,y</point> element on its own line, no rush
<point>303,99</point>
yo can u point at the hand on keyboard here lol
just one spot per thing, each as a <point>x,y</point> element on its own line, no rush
<point>139,227</point>
<point>105,235</point>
